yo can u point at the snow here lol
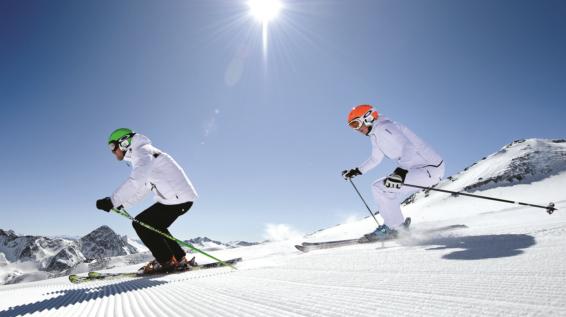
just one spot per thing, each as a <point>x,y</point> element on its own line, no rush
<point>509,260</point>
<point>15,272</point>
<point>31,258</point>
<point>137,244</point>
<point>209,245</point>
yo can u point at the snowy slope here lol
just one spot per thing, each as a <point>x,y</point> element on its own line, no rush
<point>508,261</point>
<point>137,244</point>
<point>519,163</point>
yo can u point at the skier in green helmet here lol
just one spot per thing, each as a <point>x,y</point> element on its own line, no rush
<point>156,171</point>
<point>120,139</point>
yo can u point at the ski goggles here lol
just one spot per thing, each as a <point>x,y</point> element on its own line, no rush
<point>113,146</point>
<point>357,123</point>
<point>123,143</point>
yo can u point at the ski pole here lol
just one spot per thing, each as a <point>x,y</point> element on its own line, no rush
<point>362,198</point>
<point>549,209</point>
<point>123,212</point>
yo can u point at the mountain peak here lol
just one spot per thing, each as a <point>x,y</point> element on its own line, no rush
<point>104,228</point>
<point>8,233</point>
<point>523,161</point>
<point>104,242</point>
<point>208,244</point>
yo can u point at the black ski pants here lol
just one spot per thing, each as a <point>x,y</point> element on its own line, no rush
<point>160,217</point>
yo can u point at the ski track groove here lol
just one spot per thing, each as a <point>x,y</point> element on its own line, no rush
<point>425,296</point>
<point>142,303</point>
<point>134,304</point>
<point>217,299</point>
<point>85,309</point>
<point>163,304</point>
<point>308,292</point>
<point>444,284</point>
<point>326,283</point>
<point>301,306</point>
<point>313,307</point>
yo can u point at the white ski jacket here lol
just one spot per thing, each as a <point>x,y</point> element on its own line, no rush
<point>395,141</point>
<point>153,170</point>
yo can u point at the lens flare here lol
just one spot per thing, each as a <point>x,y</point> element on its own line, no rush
<point>265,10</point>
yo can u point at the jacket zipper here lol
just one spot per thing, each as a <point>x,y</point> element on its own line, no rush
<point>157,191</point>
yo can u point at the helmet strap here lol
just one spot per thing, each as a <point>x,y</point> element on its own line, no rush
<point>124,142</point>
<point>369,128</point>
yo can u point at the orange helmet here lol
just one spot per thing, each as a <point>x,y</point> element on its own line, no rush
<point>362,115</point>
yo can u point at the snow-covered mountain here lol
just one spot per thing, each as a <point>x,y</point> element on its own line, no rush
<point>239,243</point>
<point>104,242</point>
<point>26,257</point>
<point>207,244</point>
<point>502,260</point>
<point>65,259</point>
<point>3,260</point>
<point>36,249</point>
<point>521,162</point>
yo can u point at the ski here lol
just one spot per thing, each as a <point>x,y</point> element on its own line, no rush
<point>97,276</point>
<point>309,246</point>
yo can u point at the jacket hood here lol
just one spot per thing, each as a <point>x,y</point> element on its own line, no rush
<point>138,141</point>
<point>381,119</point>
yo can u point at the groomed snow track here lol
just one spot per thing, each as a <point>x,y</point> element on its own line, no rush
<point>469,273</point>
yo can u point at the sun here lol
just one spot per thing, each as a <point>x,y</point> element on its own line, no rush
<point>265,10</point>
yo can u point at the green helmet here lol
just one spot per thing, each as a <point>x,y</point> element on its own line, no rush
<point>121,137</point>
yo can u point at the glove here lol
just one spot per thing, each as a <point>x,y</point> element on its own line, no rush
<point>396,179</point>
<point>347,174</point>
<point>104,204</point>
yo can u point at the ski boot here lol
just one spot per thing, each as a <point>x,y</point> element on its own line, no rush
<point>154,266</point>
<point>186,264</point>
<point>383,232</point>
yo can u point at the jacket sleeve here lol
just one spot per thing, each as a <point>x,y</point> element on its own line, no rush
<point>375,158</point>
<point>135,188</point>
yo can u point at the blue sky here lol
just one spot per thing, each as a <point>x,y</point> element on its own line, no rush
<point>262,136</point>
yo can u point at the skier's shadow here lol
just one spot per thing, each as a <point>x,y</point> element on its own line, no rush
<point>69,297</point>
<point>482,246</point>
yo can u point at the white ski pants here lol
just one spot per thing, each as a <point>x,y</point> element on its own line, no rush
<point>389,200</point>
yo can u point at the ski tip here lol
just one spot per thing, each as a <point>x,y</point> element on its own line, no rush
<point>301,248</point>
<point>407,223</point>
